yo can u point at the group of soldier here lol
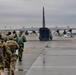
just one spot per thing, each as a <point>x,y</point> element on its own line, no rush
<point>9,44</point>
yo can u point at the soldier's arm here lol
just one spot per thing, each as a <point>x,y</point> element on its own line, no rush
<point>7,49</point>
<point>16,44</point>
<point>24,39</point>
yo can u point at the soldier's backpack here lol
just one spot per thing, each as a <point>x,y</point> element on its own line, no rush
<point>12,45</point>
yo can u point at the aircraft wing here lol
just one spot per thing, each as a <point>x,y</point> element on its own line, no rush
<point>60,28</point>
<point>37,29</point>
<point>50,28</point>
<point>29,29</point>
<point>8,29</point>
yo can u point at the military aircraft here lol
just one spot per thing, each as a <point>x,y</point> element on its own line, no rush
<point>45,33</point>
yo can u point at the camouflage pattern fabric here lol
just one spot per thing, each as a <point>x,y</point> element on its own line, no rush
<point>21,47</point>
<point>20,51</point>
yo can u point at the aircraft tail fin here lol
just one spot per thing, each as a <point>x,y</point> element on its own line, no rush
<point>43,18</point>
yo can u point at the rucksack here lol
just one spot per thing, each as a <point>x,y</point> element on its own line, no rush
<point>20,39</point>
<point>12,46</point>
<point>11,43</point>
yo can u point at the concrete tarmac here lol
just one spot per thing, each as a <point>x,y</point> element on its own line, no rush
<point>57,57</point>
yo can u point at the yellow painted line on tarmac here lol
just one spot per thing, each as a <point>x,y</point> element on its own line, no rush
<point>31,48</point>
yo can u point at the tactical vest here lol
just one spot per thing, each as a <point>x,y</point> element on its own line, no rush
<point>20,39</point>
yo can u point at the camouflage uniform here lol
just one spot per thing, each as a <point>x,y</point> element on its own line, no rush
<point>13,46</point>
<point>8,54</point>
<point>21,45</point>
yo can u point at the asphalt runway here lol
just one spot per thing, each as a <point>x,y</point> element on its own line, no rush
<point>57,57</point>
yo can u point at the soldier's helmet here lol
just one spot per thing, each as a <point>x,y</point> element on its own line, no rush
<point>9,33</point>
<point>14,32</point>
<point>10,37</point>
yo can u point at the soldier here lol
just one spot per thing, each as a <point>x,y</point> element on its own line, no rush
<point>21,39</point>
<point>8,54</point>
<point>7,35</point>
<point>15,35</point>
<point>13,47</point>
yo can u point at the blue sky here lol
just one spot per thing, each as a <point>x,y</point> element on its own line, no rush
<point>28,13</point>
